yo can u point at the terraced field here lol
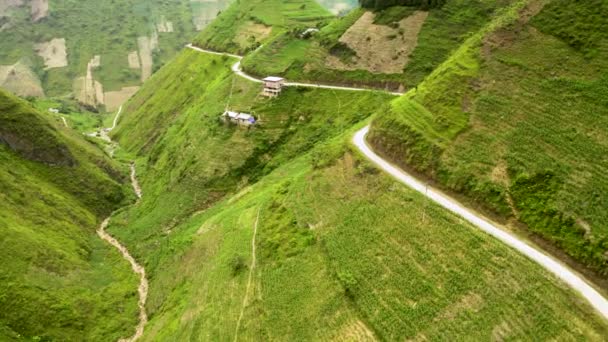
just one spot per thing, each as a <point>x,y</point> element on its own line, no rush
<point>334,260</point>
<point>526,145</point>
<point>310,58</point>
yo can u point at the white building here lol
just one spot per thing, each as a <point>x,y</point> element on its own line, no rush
<point>273,86</point>
<point>241,119</point>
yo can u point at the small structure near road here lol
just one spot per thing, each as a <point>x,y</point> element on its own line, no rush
<point>241,119</point>
<point>309,32</point>
<point>273,86</point>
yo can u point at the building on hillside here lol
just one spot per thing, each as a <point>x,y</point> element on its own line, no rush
<point>273,86</point>
<point>241,119</point>
<point>309,32</point>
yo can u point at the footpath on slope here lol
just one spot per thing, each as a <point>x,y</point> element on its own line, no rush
<point>572,279</point>
<point>250,277</point>
<point>137,268</point>
<point>575,281</point>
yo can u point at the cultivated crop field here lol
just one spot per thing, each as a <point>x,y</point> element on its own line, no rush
<point>342,251</point>
<point>226,33</point>
<point>524,133</point>
<point>443,31</point>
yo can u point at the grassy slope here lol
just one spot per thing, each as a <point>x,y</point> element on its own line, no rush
<point>334,261</point>
<point>304,59</point>
<point>58,279</point>
<point>520,127</point>
<point>281,15</point>
<point>93,28</point>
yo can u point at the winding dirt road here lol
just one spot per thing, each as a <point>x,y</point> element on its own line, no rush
<point>137,268</point>
<point>236,68</point>
<point>572,279</point>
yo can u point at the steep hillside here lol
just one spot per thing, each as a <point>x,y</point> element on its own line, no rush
<point>516,121</point>
<point>246,24</point>
<point>393,48</point>
<point>58,280</point>
<point>281,232</point>
<point>49,46</point>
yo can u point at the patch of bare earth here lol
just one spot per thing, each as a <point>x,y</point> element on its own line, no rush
<point>146,45</point>
<point>251,29</point>
<point>380,48</point>
<point>6,5</point>
<point>134,60</point>
<point>39,9</point>
<point>87,90</point>
<point>54,53</point>
<point>20,80</point>
<point>115,99</point>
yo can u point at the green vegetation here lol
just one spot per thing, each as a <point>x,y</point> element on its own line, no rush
<point>516,122</point>
<point>334,261</point>
<point>382,4</point>
<point>77,117</point>
<point>58,280</point>
<point>246,24</point>
<point>304,59</point>
<point>513,118</point>
<point>91,27</point>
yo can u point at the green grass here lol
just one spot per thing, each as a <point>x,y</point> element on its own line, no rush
<point>342,250</point>
<point>78,118</point>
<point>515,134</point>
<point>280,15</point>
<point>444,30</point>
<point>59,281</point>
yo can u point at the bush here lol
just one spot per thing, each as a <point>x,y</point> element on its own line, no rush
<point>237,265</point>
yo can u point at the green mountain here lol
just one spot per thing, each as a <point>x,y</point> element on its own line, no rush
<point>50,47</point>
<point>59,281</point>
<point>515,121</point>
<point>284,231</point>
<point>341,251</point>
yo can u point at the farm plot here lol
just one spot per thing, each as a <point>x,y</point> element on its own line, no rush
<point>54,53</point>
<point>20,80</point>
<point>379,48</point>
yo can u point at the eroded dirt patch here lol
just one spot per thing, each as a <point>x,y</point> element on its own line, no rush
<point>20,80</point>
<point>115,99</point>
<point>39,9</point>
<point>54,53</point>
<point>134,60</point>
<point>380,48</point>
<point>87,90</point>
<point>6,5</point>
<point>146,45</point>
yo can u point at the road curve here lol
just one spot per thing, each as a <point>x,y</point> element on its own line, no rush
<point>575,281</point>
<point>236,68</point>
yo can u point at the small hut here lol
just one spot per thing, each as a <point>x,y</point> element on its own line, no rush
<point>273,86</point>
<point>241,119</point>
